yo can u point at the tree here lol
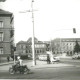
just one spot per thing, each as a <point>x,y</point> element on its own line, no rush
<point>77,47</point>
<point>47,47</point>
<point>2,0</point>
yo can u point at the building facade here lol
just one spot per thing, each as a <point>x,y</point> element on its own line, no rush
<point>25,47</point>
<point>6,33</point>
<point>64,45</point>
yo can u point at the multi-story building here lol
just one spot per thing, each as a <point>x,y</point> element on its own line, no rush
<point>25,47</point>
<point>6,33</point>
<point>64,45</point>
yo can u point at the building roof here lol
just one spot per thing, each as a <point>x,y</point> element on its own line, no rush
<point>21,42</point>
<point>30,40</point>
<point>5,13</point>
<point>67,39</point>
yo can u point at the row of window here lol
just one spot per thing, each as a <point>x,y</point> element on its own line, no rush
<point>65,44</point>
<point>1,36</point>
<point>36,51</point>
<point>36,46</point>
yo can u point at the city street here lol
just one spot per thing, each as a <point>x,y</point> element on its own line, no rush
<point>55,73</point>
<point>74,62</point>
<point>40,39</point>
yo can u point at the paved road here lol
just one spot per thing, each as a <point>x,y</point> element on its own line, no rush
<point>69,73</point>
<point>55,73</point>
<point>74,62</point>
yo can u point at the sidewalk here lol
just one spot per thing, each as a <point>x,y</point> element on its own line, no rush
<point>12,62</point>
<point>6,63</point>
<point>43,64</point>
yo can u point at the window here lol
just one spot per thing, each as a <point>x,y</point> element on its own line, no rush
<point>1,50</point>
<point>43,45</point>
<point>21,46</point>
<point>1,23</point>
<point>11,33</point>
<point>24,46</point>
<point>24,51</point>
<point>1,36</point>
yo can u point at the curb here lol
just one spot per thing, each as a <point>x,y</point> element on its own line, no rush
<point>1,64</point>
<point>12,62</point>
<point>51,66</point>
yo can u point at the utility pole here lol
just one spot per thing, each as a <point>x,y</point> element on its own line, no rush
<point>33,45</point>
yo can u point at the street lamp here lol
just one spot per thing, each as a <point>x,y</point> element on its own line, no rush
<point>33,48</point>
<point>33,45</point>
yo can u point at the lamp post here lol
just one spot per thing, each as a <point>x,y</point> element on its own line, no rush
<point>33,45</point>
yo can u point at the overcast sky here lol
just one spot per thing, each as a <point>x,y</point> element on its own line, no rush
<point>53,18</point>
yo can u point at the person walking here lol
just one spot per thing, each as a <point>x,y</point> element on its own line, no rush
<point>8,58</point>
<point>48,59</point>
<point>51,58</point>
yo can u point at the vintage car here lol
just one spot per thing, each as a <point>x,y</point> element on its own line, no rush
<point>76,56</point>
<point>44,58</point>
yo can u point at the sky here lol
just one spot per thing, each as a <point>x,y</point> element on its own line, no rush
<point>52,18</point>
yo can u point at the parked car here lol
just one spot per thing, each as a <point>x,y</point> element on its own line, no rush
<point>42,57</point>
<point>56,59</point>
<point>76,56</point>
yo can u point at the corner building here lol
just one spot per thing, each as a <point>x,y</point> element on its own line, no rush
<point>6,34</point>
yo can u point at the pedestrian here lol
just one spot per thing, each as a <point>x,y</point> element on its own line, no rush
<point>48,59</point>
<point>51,58</point>
<point>8,58</point>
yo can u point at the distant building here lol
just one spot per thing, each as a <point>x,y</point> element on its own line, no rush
<point>64,45</point>
<point>25,47</point>
<point>6,33</point>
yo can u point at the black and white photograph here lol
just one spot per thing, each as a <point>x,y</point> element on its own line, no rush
<point>40,39</point>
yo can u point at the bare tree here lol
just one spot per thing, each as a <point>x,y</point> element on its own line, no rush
<point>77,47</point>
